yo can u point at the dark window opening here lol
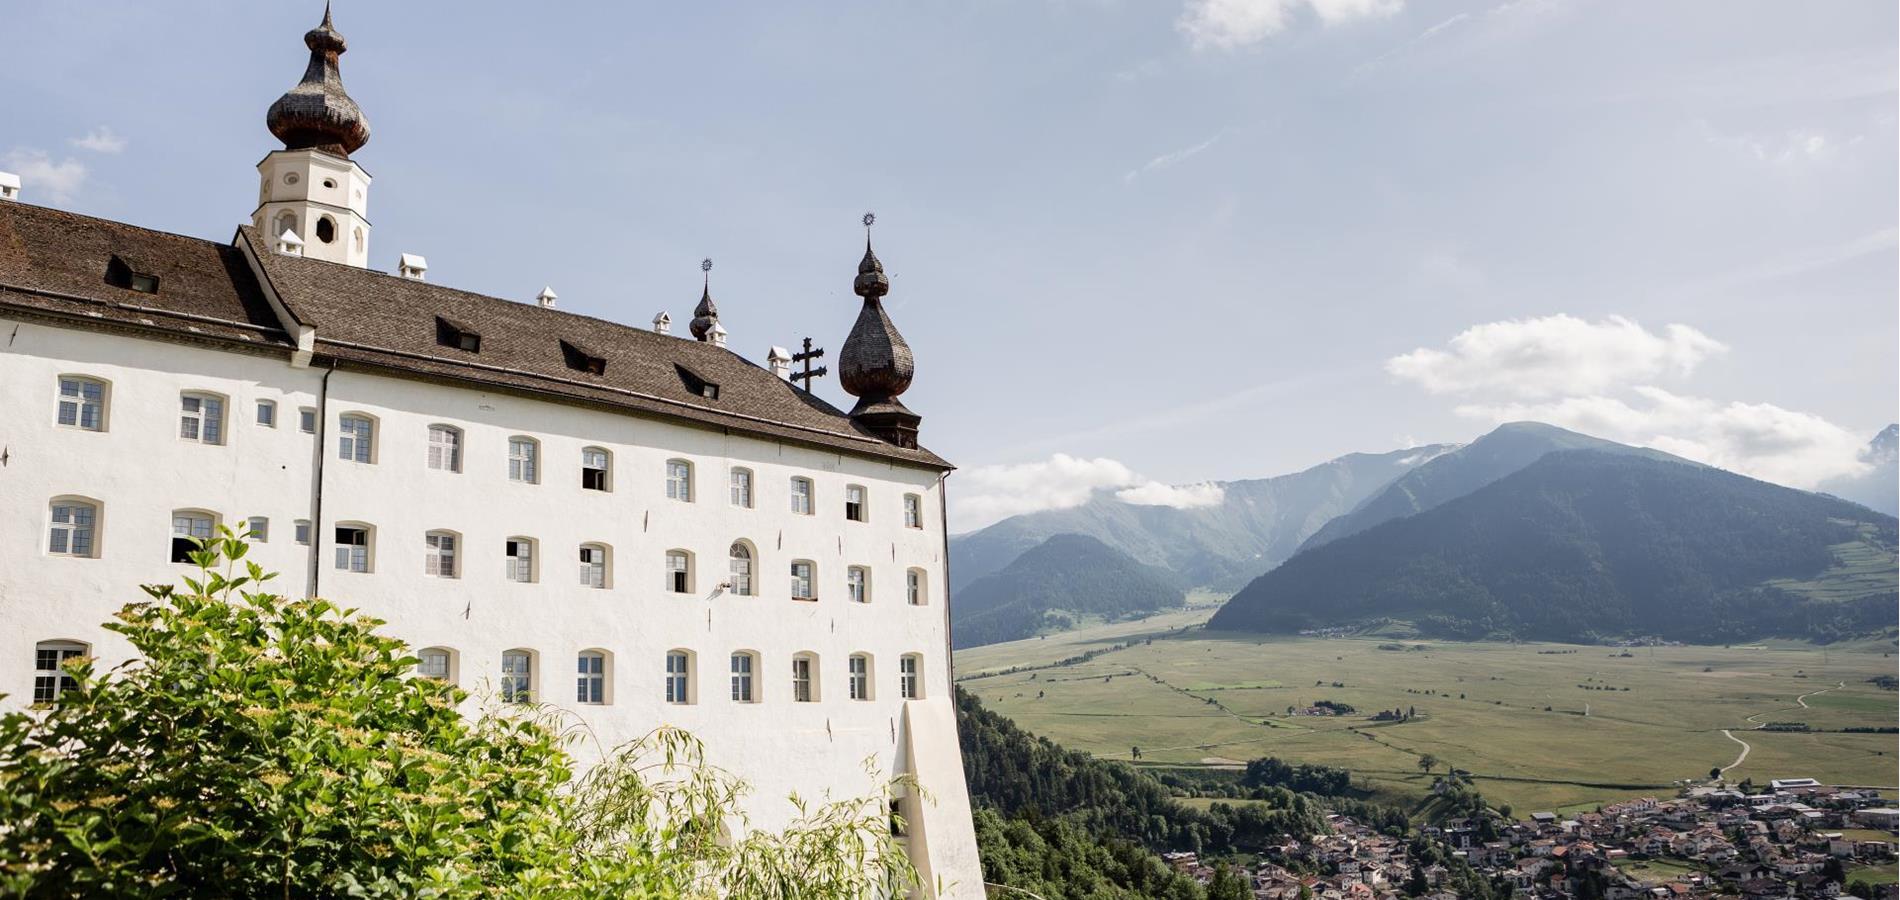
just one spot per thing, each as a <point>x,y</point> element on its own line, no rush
<point>120,273</point>
<point>326,230</point>
<point>450,333</point>
<point>580,360</point>
<point>695,384</point>
<point>899,828</point>
<point>594,479</point>
<point>182,548</point>
<point>679,581</point>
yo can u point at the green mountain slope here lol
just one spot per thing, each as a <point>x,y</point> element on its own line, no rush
<point>1585,544</point>
<point>1258,523</point>
<point>1508,448</point>
<point>1069,576</point>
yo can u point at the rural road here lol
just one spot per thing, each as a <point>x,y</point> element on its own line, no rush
<point>1801,702</point>
<point>1745,749</point>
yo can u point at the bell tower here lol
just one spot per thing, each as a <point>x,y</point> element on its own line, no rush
<point>312,187</point>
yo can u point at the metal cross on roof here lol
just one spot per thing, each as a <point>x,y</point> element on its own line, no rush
<point>806,357</point>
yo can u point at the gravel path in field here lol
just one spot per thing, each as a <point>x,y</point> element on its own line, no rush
<point>1745,749</point>
<point>1800,702</point>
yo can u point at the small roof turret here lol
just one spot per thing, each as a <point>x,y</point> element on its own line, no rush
<point>876,365</point>
<point>706,314</point>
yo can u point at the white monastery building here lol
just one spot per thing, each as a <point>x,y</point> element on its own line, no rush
<point>643,528</point>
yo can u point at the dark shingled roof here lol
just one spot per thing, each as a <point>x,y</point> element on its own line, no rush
<point>384,321</point>
<point>55,262</point>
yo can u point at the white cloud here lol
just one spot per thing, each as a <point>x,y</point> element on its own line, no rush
<point>988,494</point>
<point>1232,24</point>
<point>100,140</point>
<point>1786,149</point>
<point>59,181</point>
<point>1169,160</point>
<point>1554,356</point>
<point>1758,439</point>
<point>1186,496</point>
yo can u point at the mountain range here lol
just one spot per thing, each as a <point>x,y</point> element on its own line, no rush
<point>1061,580</point>
<point>1357,500</point>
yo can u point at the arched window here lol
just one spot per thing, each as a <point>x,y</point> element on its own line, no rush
<point>679,480</point>
<point>741,559</point>
<point>594,558</point>
<point>742,488</point>
<point>201,417</point>
<point>441,554</point>
<point>82,402</point>
<point>524,460</point>
<point>856,508</point>
<point>913,511</point>
<point>595,471</point>
<point>356,438</point>
<point>679,571</point>
<point>858,670</point>
<point>805,677</point>
<point>679,677</point>
<point>914,592</point>
<point>74,529</point>
<point>591,677</point>
<point>745,667</point>
<point>857,583</point>
<point>286,221</point>
<point>50,678</point>
<point>910,676</point>
<point>437,663</point>
<point>326,230</point>
<point>445,448</point>
<point>520,559</point>
<point>359,239</point>
<point>354,547</point>
<point>517,676</point>
<point>804,578</point>
<point>801,496</point>
<point>189,528</point>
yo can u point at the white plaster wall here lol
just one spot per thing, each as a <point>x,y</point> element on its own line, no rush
<point>347,203</point>
<point>139,470</point>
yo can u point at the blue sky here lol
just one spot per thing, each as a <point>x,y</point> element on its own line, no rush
<point>1132,241</point>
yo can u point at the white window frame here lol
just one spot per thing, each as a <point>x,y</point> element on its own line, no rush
<point>745,667</point>
<point>307,419</point>
<point>441,556</point>
<point>520,553</point>
<point>915,590</point>
<point>517,676</point>
<point>913,511</point>
<point>267,413</point>
<point>805,678</point>
<point>524,460</point>
<point>857,510</point>
<point>191,523</point>
<point>594,557</point>
<point>81,406</point>
<point>77,526</point>
<point>605,458</point>
<point>742,487</point>
<point>679,571</point>
<point>741,563</point>
<point>49,683</point>
<point>679,677</point>
<point>857,583</point>
<point>426,660</point>
<point>910,678</point>
<point>356,438</point>
<point>300,532</point>
<point>257,528</point>
<point>590,678</point>
<point>679,480</point>
<point>353,557</point>
<point>804,492</point>
<point>445,448</point>
<point>805,583</point>
<point>858,676</point>
<point>201,418</point>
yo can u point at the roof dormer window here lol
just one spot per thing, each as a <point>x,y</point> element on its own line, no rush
<point>120,273</point>
<point>696,384</point>
<point>450,333</point>
<point>581,360</point>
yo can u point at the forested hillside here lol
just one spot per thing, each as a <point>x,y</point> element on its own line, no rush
<point>1068,577</point>
<point>1584,544</point>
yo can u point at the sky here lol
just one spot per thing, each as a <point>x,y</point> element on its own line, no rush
<point>1137,245</point>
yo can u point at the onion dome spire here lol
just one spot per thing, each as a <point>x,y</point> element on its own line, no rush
<point>317,113</point>
<point>876,364</point>
<point>705,315</point>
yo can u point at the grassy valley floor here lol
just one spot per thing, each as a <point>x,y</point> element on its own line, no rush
<point>1189,697</point>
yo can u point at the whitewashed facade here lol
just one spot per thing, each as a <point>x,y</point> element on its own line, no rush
<point>474,514</point>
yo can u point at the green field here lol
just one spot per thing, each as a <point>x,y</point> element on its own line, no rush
<point>1190,697</point>
<point>1860,568</point>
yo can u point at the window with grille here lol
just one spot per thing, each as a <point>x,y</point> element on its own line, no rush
<point>802,580</point>
<point>679,480</point>
<point>854,508</point>
<point>520,553</point>
<point>82,403</point>
<point>593,566</point>
<point>594,469</point>
<point>914,587</point>
<point>353,438</point>
<point>201,418</point>
<point>741,558</point>
<point>857,582</point>
<point>445,448</point>
<point>804,690</point>
<point>352,548</point>
<point>188,528</point>
<point>590,685</point>
<point>859,669</point>
<point>679,572</point>
<point>307,420</point>
<point>523,458</point>
<point>742,488</point>
<point>517,677</point>
<point>257,528</point>
<point>678,677</point>
<point>72,528</point>
<point>267,413</point>
<point>50,679</point>
<point>439,551</point>
<point>801,496</point>
<point>913,511</point>
<point>433,663</point>
<point>742,666</point>
<point>908,680</point>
